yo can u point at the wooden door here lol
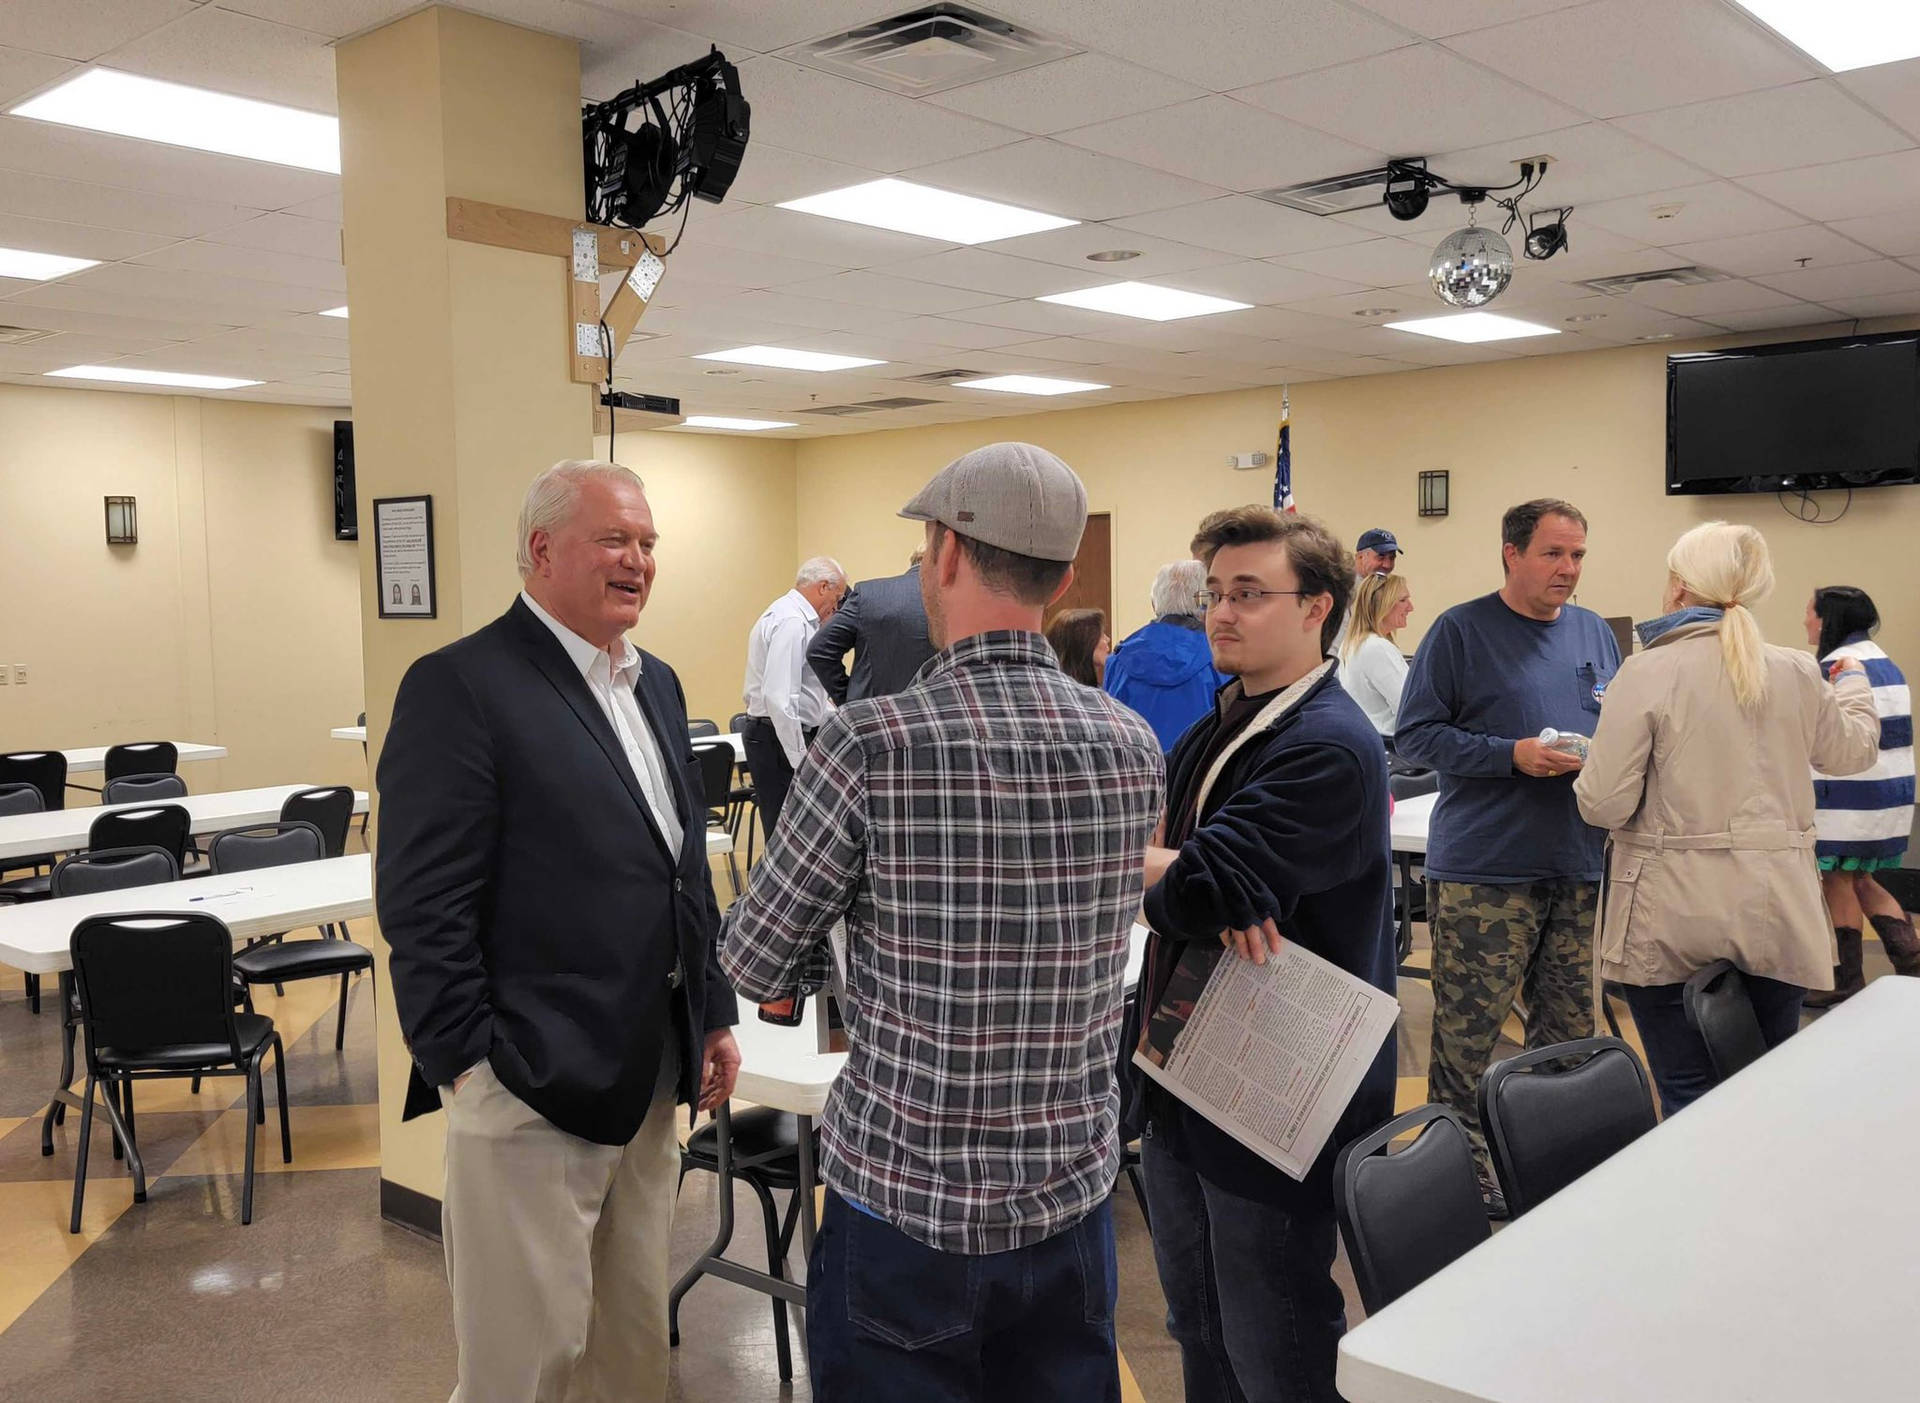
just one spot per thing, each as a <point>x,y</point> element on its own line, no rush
<point>1092,586</point>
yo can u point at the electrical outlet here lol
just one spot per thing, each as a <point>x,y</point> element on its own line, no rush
<point>6,674</point>
<point>19,674</point>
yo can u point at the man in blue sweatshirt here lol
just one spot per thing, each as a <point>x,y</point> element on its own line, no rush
<point>1276,827</point>
<point>1514,871</point>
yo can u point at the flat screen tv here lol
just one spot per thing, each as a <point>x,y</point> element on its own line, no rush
<point>1799,417</point>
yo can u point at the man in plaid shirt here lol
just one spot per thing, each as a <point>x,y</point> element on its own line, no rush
<point>982,835</point>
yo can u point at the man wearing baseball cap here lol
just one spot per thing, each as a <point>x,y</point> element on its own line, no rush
<point>982,835</point>
<point>1375,553</point>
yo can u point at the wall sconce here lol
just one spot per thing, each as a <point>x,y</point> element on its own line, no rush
<point>123,522</point>
<point>1433,493</point>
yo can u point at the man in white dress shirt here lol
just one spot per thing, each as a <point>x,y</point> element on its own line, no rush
<point>785,700</point>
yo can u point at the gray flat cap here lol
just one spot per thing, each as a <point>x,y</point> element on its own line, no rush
<point>1011,495</point>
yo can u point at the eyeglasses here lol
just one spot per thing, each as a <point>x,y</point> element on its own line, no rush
<point>1246,597</point>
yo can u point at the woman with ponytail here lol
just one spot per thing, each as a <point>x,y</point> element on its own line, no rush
<point>1864,820</point>
<point>1702,770</point>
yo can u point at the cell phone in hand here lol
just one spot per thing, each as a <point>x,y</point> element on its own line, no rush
<point>784,1013</point>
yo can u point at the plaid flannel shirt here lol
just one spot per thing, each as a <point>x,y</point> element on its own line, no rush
<point>982,835</point>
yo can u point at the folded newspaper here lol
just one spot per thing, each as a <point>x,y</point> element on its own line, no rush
<point>1273,1053</point>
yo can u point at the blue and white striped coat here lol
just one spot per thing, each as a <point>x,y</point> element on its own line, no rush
<point>1870,815</point>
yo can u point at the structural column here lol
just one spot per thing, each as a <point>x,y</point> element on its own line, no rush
<point>461,385</point>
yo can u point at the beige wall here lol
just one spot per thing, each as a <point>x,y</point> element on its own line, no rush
<point>724,507</point>
<point>235,619</point>
<point>1590,427</point>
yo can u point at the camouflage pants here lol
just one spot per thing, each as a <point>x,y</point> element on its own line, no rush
<point>1490,943</point>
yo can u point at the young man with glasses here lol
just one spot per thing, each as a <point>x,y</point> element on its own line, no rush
<point>1275,828</point>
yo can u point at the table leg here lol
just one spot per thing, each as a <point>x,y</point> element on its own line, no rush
<point>723,1234</point>
<point>61,1096</point>
<point>807,1221</point>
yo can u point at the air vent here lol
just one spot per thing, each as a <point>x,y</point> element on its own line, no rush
<point>23,335</point>
<point>929,50</point>
<point>940,377</point>
<point>1337,194</point>
<point>1661,277</point>
<point>870,406</point>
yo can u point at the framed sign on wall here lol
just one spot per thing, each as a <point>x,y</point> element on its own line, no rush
<point>403,550</point>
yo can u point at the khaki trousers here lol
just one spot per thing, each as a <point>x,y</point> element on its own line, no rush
<point>557,1250</point>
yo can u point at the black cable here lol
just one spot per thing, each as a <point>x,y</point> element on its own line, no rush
<point>1808,510</point>
<point>606,345</point>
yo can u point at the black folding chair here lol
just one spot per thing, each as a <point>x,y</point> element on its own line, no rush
<point>700,726</point>
<point>1406,782</point>
<point>1721,1011</point>
<point>163,826</point>
<point>114,869</point>
<point>329,809</point>
<point>23,798</point>
<point>1554,1113</point>
<point>155,998</point>
<point>45,770</point>
<point>143,789</point>
<point>144,757</point>
<point>1406,1214</point>
<point>716,781</point>
<point>275,960</point>
<point>743,796</point>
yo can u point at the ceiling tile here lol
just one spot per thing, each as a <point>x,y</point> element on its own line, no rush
<point>1896,234</point>
<point>1710,299</point>
<point>754,24</point>
<point>1892,89</point>
<point>1376,263</point>
<point>1799,125</point>
<point>1246,226</point>
<point>832,118</point>
<point>1258,282</point>
<point>1826,285</point>
<point>1613,57</point>
<point>231,53</point>
<point>83,29</point>
<point>952,336</point>
<point>810,237</point>
<point>49,149</point>
<point>334,18</point>
<point>899,295</point>
<point>1775,251</point>
<point>809,312</point>
<point>1225,143</point>
<point>1062,180</point>
<point>327,207</point>
<point>629,50</point>
<point>1216,46</point>
<point>710,262</point>
<point>285,233</point>
<point>74,240</point>
<point>1069,248</point>
<point>981,270</point>
<point>1799,314</point>
<point>1846,189</point>
<point>1039,319</point>
<point>215,293</point>
<point>1687,215</point>
<point>22,71</point>
<point>769,175</point>
<point>107,206</point>
<point>1438,18</point>
<point>1071,92</point>
<point>255,264</point>
<point>58,307</point>
<point>1889,304</point>
<point>1590,163</point>
<point>1411,102</point>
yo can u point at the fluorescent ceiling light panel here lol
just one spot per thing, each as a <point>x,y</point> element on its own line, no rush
<point>23,263</point>
<point>106,100</point>
<point>1473,326</point>
<point>1843,34</point>
<point>721,421</point>
<point>907,208</point>
<point>784,358</point>
<point>1145,300</point>
<point>1030,385</point>
<point>340,312</point>
<point>129,375</point>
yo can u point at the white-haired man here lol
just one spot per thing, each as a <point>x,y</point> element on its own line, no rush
<point>1165,671</point>
<point>785,701</point>
<point>544,889</point>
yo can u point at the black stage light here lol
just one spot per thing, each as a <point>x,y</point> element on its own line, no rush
<point>1546,240</point>
<point>1406,195</point>
<point>690,146</point>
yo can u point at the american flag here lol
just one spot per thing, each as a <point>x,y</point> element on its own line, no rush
<point>1283,459</point>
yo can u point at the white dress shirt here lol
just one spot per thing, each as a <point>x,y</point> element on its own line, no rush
<point>1375,677</point>
<point>612,679</point>
<point>780,686</point>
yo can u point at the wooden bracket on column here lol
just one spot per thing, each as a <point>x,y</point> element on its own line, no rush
<point>588,249</point>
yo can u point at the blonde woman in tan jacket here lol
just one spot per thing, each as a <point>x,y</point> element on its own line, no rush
<point>1700,770</point>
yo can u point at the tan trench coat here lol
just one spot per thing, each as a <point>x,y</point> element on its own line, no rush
<point>1711,811</point>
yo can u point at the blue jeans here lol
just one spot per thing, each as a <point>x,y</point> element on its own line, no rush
<point>1676,1054</point>
<point>890,1318</point>
<point>1251,1298</point>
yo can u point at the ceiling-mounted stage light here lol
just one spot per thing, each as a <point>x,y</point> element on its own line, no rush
<point>692,146</point>
<point>1546,239</point>
<point>1471,266</point>
<point>1407,187</point>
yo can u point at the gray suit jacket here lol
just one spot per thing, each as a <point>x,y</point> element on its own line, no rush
<point>885,624</point>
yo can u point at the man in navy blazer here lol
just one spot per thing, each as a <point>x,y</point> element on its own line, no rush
<point>542,882</point>
<point>884,622</point>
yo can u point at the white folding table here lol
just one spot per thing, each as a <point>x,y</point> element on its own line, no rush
<point>90,759</point>
<point>1758,1247</point>
<point>65,830</point>
<point>731,738</point>
<point>352,733</point>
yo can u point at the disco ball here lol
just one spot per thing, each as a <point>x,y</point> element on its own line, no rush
<point>1471,267</point>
